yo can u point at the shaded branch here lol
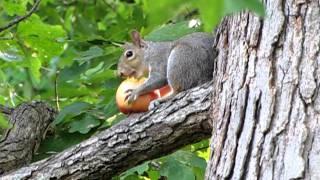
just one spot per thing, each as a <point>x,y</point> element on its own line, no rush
<point>21,18</point>
<point>183,120</point>
<point>29,123</point>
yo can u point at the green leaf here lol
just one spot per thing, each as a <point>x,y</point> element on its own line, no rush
<point>112,120</point>
<point>92,53</point>
<point>4,124</point>
<point>256,6</point>
<point>202,145</point>
<point>14,7</point>
<point>132,177</point>
<point>34,69</point>
<point>71,110</point>
<point>44,39</point>
<point>111,107</point>
<point>92,71</point>
<point>159,12</point>
<point>175,170</point>
<point>66,59</point>
<point>140,169</point>
<point>3,77</point>
<point>199,173</point>
<point>98,75</point>
<point>205,154</point>
<point>236,6</point>
<point>190,159</point>
<point>153,174</point>
<point>211,12</point>
<point>84,124</point>
<point>171,32</point>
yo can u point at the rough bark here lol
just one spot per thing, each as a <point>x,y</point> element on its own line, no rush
<point>28,125</point>
<point>266,94</point>
<point>183,120</point>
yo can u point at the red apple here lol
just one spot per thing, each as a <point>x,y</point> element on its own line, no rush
<point>142,102</point>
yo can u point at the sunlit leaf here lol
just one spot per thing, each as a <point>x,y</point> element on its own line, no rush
<point>4,124</point>
<point>34,68</point>
<point>41,37</point>
<point>211,12</point>
<point>155,10</point>
<point>171,32</point>
<point>16,7</point>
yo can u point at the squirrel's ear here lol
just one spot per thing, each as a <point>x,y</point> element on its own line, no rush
<point>136,39</point>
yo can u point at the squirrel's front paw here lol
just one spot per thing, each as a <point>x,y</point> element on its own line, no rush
<point>153,104</point>
<point>132,96</point>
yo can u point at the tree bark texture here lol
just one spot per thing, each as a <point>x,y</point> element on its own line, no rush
<point>266,94</point>
<point>29,123</point>
<point>183,120</point>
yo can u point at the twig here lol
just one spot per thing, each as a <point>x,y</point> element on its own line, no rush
<point>117,44</point>
<point>5,110</point>
<point>56,90</point>
<point>21,18</point>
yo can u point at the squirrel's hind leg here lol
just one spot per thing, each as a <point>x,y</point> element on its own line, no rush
<point>157,102</point>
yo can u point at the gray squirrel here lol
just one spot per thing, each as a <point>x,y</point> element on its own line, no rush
<point>182,64</point>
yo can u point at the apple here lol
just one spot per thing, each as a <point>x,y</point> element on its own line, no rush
<point>164,90</point>
<point>142,102</point>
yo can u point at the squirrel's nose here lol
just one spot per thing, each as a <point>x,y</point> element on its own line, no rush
<point>121,73</point>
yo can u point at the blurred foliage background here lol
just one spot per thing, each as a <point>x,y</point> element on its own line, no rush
<point>66,54</point>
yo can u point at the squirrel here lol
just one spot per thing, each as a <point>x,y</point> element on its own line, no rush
<point>182,64</point>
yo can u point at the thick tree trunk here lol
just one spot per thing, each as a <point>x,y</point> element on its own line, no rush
<point>183,120</point>
<point>266,95</point>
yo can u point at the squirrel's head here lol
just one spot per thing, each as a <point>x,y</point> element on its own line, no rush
<point>131,63</point>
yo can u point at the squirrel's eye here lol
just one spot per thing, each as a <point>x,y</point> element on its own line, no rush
<point>129,54</point>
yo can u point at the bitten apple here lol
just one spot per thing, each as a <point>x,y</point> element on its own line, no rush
<point>142,102</point>
<point>164,90</point>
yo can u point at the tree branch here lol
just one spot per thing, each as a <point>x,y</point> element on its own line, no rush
<point>29,123</point>
<point>183,120</point>
<point>21,18</point>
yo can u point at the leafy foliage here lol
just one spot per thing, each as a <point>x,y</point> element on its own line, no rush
<point>68,51</point>
<point>183,164</point>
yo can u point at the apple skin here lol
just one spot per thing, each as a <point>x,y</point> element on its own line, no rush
<point>141,104</point>
<point>164,90</point>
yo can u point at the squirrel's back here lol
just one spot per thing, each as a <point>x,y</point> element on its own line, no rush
<point>191,61</point>
<point>198,39</point>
